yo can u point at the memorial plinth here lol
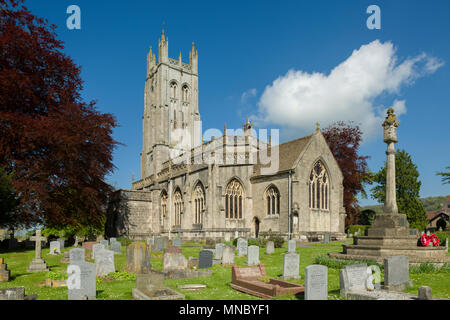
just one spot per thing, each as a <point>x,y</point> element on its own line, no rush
<point>390,234</point>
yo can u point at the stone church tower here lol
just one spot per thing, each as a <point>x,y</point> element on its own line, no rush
<point>171,121</point>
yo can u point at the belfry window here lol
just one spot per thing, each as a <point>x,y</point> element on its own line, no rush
<point>185,93</point>
<point>173,90</point>
<point>319,187</point>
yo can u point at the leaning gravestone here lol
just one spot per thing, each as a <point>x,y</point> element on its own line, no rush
<point>205,259</point>
<point>219,250</point>
<point>292,245</point>
<point>81,281</point>
<point>55,247</point>
<point>138,258</point>
<point>270,247</point>
<point>396,273</point>
<point>96,248</point>
<point>104,262</point>
<point>253,255</point>
<point>316,282</point>
<point>228,255</point>
<point>291,266</point>
<point>242,246</point>
<point>116,247</point>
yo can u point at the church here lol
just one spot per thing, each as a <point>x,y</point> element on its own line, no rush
<point>235,184</point>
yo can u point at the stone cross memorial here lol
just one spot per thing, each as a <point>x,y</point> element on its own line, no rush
<point>316,282</point>
<point>38,264</point>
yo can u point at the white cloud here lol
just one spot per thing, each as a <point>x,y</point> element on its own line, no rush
<point>300,99</point>
<point>247,95</point>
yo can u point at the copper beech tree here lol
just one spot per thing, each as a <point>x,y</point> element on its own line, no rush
<point>57,147</point>
<point>344,140</point>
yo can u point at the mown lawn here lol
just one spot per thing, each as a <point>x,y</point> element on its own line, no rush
<point>218,285</point>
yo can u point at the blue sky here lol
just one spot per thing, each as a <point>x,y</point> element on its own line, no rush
<point>244,46</point>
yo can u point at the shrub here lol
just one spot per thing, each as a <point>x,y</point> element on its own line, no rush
<point>423,268</point>
<point>260,242</point>
<point>53,275</point>
<point>124,241</point>
<point>277,240</point>
<point>325,260</point>
<point>442,235</point>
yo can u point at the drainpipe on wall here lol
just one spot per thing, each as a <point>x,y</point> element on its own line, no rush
<point>170,208</point>
<point>289,203</point>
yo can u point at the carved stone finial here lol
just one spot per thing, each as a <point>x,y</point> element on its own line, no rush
<point>391,119</point>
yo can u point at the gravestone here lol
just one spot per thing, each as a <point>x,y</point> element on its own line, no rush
<point>396,273</point>
<point>4,272</point>
<point>105,244</point>
<point>219,250</point>
<point>165,242</point>
<point>38,264</point>
<point>242,246</point>
<point>151,241</point>
<point>96,248</point>
<point>270,247</point>
<point>228,255</point>
<point>138,258</point>
<point>176,242</point>
<point>116,247</point>
<point>16,294</point>
<point>425,293</point>
<point>76,256</point>
<point>292,246</point>
<point>55,247</point>
<point>112,239</point>
<point>159,244</point>
<point>173,261</point>
<point>291,266</point>
<point>151,287</point>
<point>104,262</point>
<point>326,238</point>
<point>252,255</point>
<point>316,282</point>
<point>81,281</point>
<point>353,278</point>
<point>61,243</point>
<point>205,259</point>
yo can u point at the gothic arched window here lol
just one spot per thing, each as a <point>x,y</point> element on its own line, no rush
<point>199,204</point>
<point>273,201</point>
<point>163,208</point>
<point>185,93</point>
<point>173,90</point>
<point>319,187</point>
<point>178,207</point>
<point>234,196</point>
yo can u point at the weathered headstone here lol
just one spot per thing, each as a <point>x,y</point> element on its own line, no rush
<point>292,246</point>
<point>116,247</point>
<point>176,242</point>
<point>425,293</point>
<point>242,246</point>
<point>174,261</point>
<point>396,273</point>
<point>55,247</point>
<point>353,278</point>
<point>38,264</point>
<point>228,255</point>
<point>219,250</point>
<point>205,259</point>
<point>104,262</point>
<point>316,282</point>
<point>138,258</point>
<point>81,281</point>
<point>270,247</point>
<point>96,248</point>
<point>165,242</point>
<point>105,244</point>
<point>252,255</point>
<point>61,243</point>
<point>15,294</point>
<point>4,272</point>
<point>326,238</point>
<point>159,244</point>
<point>76,256</point>
<point>291,266</point>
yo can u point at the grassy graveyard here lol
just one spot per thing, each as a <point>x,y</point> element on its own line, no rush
<point>118,286</point>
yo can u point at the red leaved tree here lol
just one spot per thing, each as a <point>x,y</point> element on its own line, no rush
<point>58,148</point>
<point>344,140</point>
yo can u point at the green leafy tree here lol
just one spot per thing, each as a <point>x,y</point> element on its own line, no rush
<point>407,189</point>
<point>445,176</point>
